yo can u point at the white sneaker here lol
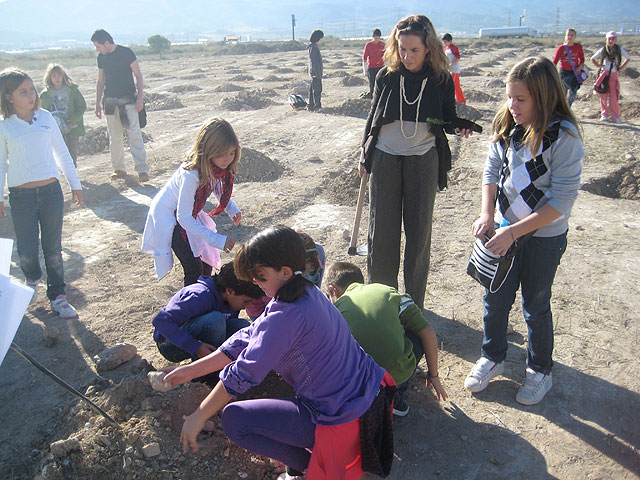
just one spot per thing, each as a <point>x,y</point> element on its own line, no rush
<point>61,306</point>
<point>604,118</point>
<point>617,120</point>
<point>33,284</point>
<point>535,387</point>
<point>286,476</point>
<point>482,373</point>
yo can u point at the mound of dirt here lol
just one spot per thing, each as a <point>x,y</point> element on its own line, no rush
<point>244,48</point>
<point>470,71</point>
<point>95,140</point>
<point>470,113</point>
<point>156,75</point>
<point>228,87</point>
<point>273,78</point>
<point>255,166</point>
<point>623,183</point>
<point>629,110</point>
<point>353,107</point>
<point>184,88</point>
<point>284,70</point>
<point>246,100</point>
<point>160,101</point>
<point>340,64</point>
<point>146,443</point>
<point>630,72</point>
<point>342,188</point>
<point>298,87</point>
<point>339,73</point>
<point>197,70</point>
<point>354,81</point>
<point>478,95</point>
<point>195,76</point>
<point>242,78</point>
<point>495,83</point>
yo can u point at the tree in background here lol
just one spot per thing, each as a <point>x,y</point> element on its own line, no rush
<point>158,43</point>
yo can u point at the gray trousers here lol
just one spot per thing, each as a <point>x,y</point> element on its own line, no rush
<point>401,190</point>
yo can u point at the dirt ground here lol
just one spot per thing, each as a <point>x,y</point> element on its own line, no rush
<point>298,170</point>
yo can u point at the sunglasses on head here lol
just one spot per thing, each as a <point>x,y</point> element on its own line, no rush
<point>412,26</point>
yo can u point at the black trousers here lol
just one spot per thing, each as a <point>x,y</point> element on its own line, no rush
<point>372,72</point>
<point>315,92</point>
<point>193,267</point>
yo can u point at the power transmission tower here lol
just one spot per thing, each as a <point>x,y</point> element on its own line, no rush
<point>293,26</point>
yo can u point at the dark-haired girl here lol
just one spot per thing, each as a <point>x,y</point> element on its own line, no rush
<point>303,337</point>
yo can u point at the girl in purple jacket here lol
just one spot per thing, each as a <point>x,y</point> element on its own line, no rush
<point>303,337</point>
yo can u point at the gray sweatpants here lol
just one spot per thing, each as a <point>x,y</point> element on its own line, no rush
<point>401,189</point>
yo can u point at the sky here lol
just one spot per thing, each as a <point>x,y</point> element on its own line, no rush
<point>38,23</point>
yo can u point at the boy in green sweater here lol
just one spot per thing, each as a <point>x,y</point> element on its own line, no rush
<point>388,325</point>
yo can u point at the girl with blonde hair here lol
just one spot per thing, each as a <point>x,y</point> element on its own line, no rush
<point>176,218</point>
<point>406,152</point>
<point>67,105</point>
<point>530,182</point>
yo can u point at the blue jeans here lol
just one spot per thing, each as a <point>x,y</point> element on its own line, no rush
<point>534,269</point>
<point>418,352</point>
<point>212,328</point>
<point>37,220</point>
<point>569,83</point>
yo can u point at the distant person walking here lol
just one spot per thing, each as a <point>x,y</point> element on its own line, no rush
<point>63,99</point>
<point>571,58</point>
<point>32,153</point>
<point>372,58</point>
<point>315,71</point>
<point>453,55</point>
<point>117,66</point>
<point>609,60</point>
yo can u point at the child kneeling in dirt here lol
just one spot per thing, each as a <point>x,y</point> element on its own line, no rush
<point>338,387</point>
<point>201,316</point>
<point>388,325</point>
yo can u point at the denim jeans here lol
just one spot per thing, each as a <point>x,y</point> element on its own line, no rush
<point>418,352</point>
<point>37,220</point>
<point>569,83</point>
<point>212,328</point>
<point>534,269</point>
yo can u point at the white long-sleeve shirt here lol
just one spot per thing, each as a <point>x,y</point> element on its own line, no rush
<point>30,152</point>
<point>175,202</point>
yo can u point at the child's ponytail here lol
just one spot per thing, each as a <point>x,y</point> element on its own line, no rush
<point>275,247</point>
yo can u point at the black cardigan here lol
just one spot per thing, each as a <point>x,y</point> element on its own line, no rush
<point>438,105</point>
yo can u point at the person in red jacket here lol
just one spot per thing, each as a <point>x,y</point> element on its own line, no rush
<point>372,58</point>
<point>566,53</point>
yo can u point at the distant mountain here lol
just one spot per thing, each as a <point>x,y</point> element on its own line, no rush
<point>45,23</point>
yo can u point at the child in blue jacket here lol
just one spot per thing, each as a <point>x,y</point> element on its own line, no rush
<point>201,316</point>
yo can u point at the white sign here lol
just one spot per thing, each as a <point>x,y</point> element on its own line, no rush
<point>14,299</point>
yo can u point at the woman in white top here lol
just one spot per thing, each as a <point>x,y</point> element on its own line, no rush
<point>31,151</point>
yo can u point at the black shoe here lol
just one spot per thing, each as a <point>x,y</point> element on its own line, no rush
<point>400,406</point>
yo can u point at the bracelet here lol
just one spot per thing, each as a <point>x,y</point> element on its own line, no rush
<point>511,232</point>
<point>430,376</point>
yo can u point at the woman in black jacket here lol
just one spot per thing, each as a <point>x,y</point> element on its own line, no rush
<point>406,152</point>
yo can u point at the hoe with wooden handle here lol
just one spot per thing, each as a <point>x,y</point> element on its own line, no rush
<point>353,250</point>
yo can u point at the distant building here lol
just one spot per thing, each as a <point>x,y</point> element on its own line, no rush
<point>231,39</point>
<point>507,32</point>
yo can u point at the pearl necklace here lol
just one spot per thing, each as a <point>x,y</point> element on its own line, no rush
<point>403,96</point>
